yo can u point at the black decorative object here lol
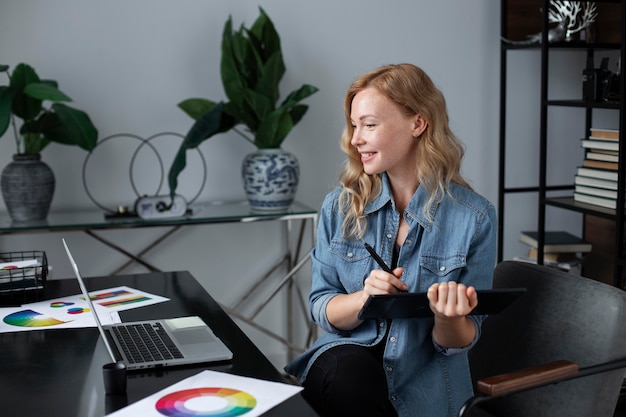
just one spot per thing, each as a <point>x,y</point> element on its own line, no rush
<point>23,284</point>
<point>125,208</point>
<point>27,188</point>
<point>601,84</point>
<point>571,18</point>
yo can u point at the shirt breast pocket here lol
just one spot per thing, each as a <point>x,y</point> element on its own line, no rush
<point>351,261</point>
<point>439,268</point>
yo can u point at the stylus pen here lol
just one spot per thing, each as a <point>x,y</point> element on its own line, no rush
<point>377,258</point>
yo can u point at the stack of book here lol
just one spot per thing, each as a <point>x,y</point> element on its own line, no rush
<point>596,180</point>
<point>560,249</point>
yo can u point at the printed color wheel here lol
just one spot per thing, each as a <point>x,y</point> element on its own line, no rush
<point>60,304</point>
<point>77,310</point>
<point>30,318</point>
<point>178,404</point>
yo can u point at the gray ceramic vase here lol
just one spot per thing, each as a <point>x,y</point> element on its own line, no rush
<point>270,179</point>
<point>27,188</point>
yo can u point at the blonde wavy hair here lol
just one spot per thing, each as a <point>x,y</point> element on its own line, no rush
<point>439,151</point>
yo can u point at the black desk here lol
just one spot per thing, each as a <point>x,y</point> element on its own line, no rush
<point>59,372</point>
<point>296,255</point>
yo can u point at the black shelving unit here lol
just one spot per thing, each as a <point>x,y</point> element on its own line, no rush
<point>542,189</point>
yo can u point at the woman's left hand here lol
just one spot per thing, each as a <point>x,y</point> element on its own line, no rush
<point>449,299</point>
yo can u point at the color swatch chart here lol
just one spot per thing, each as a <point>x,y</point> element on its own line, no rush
<point>73,311</point>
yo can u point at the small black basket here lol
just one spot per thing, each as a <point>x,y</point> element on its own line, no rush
<point>26,284</point>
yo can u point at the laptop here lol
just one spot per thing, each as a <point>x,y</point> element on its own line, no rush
<point>156,343</point>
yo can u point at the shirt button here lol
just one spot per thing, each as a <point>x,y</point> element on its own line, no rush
<point>389,369</point>
<point>389,235</point>
<point>442,268</point>
<point>350,255</point>
<point>392,339</point>
<point>381,324</point>
<point>393,398</point>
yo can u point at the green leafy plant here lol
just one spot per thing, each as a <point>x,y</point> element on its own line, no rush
<point>24,98</point>
<point>251,69</point>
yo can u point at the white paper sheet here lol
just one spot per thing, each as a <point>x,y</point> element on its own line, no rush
<point>73,311</point>
<point>211,393</point>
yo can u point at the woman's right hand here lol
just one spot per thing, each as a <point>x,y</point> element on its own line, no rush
<point>381,282</point>
<point>343,309</point>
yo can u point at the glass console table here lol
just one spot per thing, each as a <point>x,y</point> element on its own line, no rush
<point>93,220</point>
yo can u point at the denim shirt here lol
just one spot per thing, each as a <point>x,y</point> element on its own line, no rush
<point>423,378</point>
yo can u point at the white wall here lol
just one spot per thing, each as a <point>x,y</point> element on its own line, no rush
<point>128,63</point>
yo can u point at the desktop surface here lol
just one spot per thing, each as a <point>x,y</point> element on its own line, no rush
<point>59,372</point>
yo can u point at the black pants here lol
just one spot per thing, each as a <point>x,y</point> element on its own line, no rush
<point>348,380</point>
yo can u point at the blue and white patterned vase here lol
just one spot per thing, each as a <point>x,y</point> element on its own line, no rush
<point>270,179</point>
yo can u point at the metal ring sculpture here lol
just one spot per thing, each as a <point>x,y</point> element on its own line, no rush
<point>132,163</point>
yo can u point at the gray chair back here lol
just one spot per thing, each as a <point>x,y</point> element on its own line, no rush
<point>562,316</point>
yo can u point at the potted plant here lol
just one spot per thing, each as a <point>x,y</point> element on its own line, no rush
<point>27,182</point>
<point>251,69</point>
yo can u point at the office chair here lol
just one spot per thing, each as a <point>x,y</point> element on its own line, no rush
<point>575,325</point>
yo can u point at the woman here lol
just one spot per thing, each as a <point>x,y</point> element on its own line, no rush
<point>401,192</point>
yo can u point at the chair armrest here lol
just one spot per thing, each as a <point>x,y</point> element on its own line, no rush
<point>527,378</point>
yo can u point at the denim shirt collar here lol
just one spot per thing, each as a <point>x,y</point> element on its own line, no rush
<point>414,209</point>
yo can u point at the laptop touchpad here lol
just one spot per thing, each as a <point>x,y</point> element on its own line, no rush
<point>193,336</point>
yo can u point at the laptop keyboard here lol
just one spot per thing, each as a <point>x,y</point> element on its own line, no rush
<point>146,342</point>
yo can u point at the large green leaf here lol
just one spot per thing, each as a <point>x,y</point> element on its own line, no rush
<point>243,112</point>
<point>260,105</point>
<point>231,79</point>
<point>300,94</point>
<point>63,124</point>
<point>247,58</point>
<point>6,98</point>
<point>284,126</point>
<point>297,112</point>
<point>45,91</point>
<point>273,129</point>
<point>196,107</point>
<point>265,40</point>
<point>46,122</point>
<point>75,128</point>
<point>271,75</point>
<point>264,30</point>
<point>24,106</point>
<point>231,109</point>
<point>211,123</point>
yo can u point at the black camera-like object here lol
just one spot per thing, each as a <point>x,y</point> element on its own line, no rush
<point>600,84</point>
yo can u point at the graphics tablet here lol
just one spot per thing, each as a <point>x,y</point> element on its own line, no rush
<point>415,304</point>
